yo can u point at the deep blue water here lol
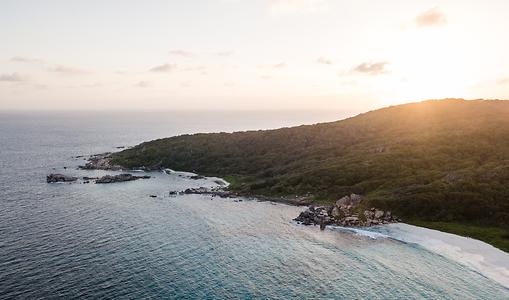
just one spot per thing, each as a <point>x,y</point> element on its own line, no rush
<point>114,241</point>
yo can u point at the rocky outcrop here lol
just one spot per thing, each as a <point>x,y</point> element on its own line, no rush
<point>100,162</point>
<point>349,201</point>
<point>210,191</point>
<point>60,178</point>
<point>119,178</point>
<point>345,212</point>
<point>220,192</point>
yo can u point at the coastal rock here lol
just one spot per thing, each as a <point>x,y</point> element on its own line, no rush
<point>119,178</point>
<point>336,212</point>
<point>352,219</point>
<point>100,162</point>
<point>349,201</point>
<point>322,225</point>
<point>60,178</point>
<point>379,214</point>
<point>343,201</point>
<point>343,213</point>
<point>200,190</point>
<point>210,191</point>
<point>221,192</point>
<point>369,214</point>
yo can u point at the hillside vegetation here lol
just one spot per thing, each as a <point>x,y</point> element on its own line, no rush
<point>439,160</point>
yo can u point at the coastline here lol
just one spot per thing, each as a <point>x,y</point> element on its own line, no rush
<point>477,255</point>
<point>493,236</point>
<point>474,254</point>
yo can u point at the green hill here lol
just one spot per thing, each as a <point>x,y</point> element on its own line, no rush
<point>439,160</point>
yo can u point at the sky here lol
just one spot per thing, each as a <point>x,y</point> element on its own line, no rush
<point>344,55</point>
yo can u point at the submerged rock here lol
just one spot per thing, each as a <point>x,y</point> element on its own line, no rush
<point>60,178</point>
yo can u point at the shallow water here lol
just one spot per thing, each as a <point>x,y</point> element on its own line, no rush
<point>114,241</point>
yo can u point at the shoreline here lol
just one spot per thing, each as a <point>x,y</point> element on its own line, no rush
<point>297,201</point>
<point>346,211</point>
<point>496,236</point>
<point>475,254</point>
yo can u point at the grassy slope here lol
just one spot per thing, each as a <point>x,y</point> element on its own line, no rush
<point>435,161</point>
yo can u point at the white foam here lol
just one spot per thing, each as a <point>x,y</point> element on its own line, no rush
<point>477,255</point>
<point>173,172</point>
<point>219,181</point>
<point>212,180</point>
<point>361,232</point>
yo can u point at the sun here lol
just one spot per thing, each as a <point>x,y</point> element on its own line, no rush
<point>428,65</point>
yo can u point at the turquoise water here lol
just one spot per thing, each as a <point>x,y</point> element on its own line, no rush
<point>114,241</point>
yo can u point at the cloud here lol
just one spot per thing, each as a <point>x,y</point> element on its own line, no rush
<point>185,84</point>
<point>164,68</point>
<point>27,60</point>
<point>13,77</point>
<point>223,53</point>
<point>324,61</point>
<point>188,53</point>
<point>277,66</point>
<point>296,7</point>
<point>503,81</point>
<point>143,84</point>
<point>376,68</point>
<point>193,68</point>
<point>67,70</point>
<point>93,85</point>
<point>432,17</point>
<point>180,52</point>
<point>41,86</point>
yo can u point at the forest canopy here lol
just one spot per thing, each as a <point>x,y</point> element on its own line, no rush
<point>437,160</point>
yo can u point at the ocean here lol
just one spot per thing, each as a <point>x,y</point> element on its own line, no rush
<point>114,241</point>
